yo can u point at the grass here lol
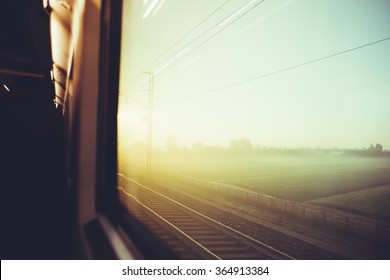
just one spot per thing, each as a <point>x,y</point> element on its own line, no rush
<point>374,201</point>
<point>358,183</point>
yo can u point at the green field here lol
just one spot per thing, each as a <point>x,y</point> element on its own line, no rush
<point>356,183</point>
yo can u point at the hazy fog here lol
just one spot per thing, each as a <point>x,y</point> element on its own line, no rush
<point>280,73</point>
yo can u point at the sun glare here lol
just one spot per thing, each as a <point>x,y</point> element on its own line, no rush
<point>130,117</point>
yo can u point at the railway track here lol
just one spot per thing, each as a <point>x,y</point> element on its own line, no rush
<point>189,233</point>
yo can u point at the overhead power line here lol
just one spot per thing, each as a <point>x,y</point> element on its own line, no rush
<point>187,34</point>
<point>262,76</point>
<point>133,91</point>
<point>184,54</point>
<point>132,99</point>
<point>156,62</point>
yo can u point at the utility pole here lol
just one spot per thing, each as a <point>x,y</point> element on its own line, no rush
<point>150,126</point>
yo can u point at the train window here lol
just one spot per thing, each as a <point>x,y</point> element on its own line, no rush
<point>257,129</point>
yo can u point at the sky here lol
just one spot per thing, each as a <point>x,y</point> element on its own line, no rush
<point>283,73</point>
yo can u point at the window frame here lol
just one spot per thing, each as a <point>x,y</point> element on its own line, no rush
<point>114,233</point>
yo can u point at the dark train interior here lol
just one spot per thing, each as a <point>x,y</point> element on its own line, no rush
<point>32,147</point>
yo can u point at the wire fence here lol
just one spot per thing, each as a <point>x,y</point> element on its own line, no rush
<point>339,220</point>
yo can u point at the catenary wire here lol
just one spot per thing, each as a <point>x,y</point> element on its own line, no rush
<point>155,61</point>
<point>209,38</point>
<point>185,35</point>
<point>262,76</point>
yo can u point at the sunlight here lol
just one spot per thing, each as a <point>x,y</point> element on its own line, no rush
<point>130,117</point>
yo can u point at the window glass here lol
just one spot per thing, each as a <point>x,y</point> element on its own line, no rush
<point>289,99</point>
